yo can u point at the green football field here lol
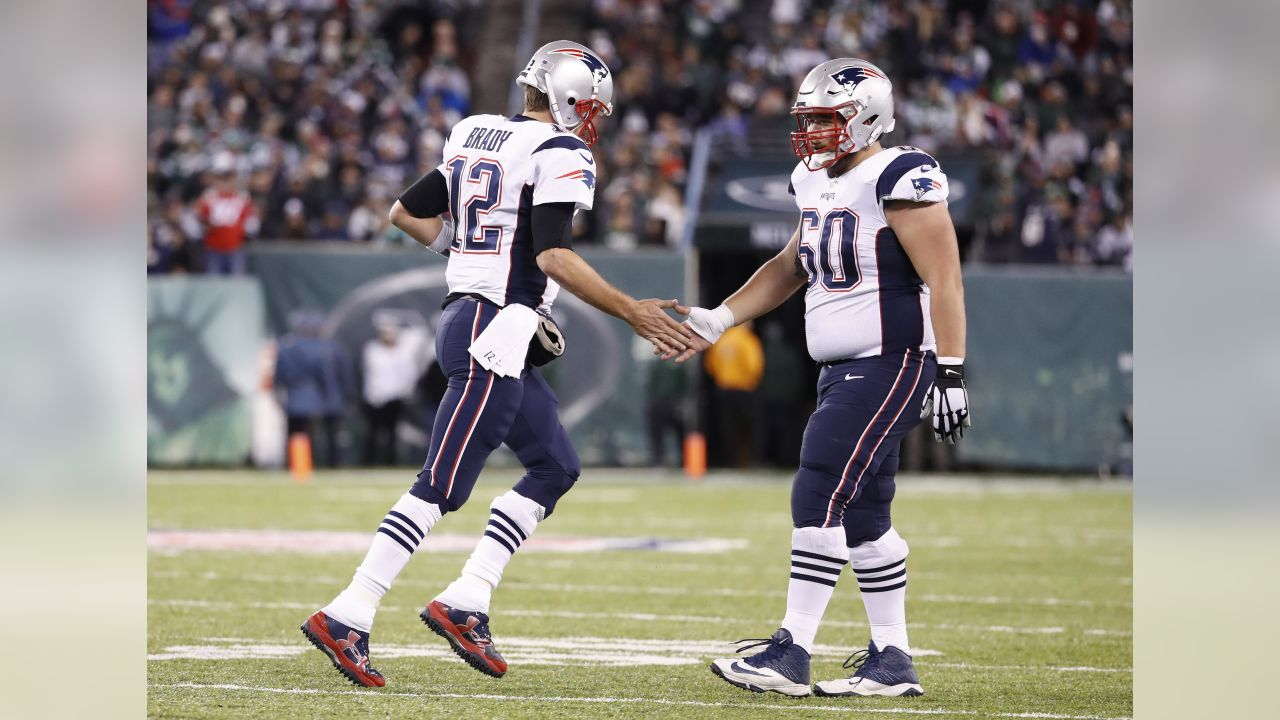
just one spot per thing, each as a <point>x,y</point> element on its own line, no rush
<point>1019,602</point>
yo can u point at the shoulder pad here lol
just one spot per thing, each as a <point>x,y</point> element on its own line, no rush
<point>914,175</point>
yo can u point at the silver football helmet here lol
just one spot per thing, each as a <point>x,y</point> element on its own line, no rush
<point>853,97</point>
<point>578,85</point>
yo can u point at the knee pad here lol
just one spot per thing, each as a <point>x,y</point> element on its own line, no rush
<point>425,491</point>
<point>888,549</point>
<point>828,542</point>
<point>546,485</point>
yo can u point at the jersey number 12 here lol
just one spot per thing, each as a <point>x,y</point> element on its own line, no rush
<point>481,186</point>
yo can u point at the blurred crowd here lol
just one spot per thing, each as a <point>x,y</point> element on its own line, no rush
<point>296,120</point>
<point>1040,90</point>
<point>303,120</point>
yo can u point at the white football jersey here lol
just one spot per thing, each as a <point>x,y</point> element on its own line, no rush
<point>497,168</point>
<point>864,297</point>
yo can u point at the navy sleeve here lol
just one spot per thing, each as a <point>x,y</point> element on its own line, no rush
<point>900,166</point>
<point>552,225</point>
<point>428,197</point>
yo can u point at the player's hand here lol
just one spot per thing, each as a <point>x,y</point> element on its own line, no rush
<point>649,320</point>
<point>710,324</point>
<point>946,404</point>
<point>697,343</point>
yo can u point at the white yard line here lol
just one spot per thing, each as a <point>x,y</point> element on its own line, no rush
<point>651,590</point>
<point>633,700</point>
<point>647,617</point>
<point>585,650</point>
<point>357,542</point>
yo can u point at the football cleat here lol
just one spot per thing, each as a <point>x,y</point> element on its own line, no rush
<point>782,667</point>
<point>889,673</point>
<point>347,647</point>
<point>468,633</point>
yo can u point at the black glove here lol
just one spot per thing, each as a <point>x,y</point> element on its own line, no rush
<point>946,404</point>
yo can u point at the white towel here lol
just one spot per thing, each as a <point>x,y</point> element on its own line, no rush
<point>503,346</point>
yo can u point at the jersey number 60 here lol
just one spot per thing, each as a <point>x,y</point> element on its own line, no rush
<point>835,262</point>
<point>482,189</point>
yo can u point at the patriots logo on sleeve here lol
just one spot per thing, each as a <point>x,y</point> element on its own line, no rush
<point>587,177</point>
<point>924,185</point>
<point>850,77</point>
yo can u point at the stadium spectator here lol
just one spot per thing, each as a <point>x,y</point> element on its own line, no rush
<point>228,215</point>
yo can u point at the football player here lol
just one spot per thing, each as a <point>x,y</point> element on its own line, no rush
<point>884,318</point>
<point>501,204</point>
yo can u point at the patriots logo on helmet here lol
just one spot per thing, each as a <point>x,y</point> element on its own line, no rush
<point>593,63</point>
<point>924,185</point>
<point>587,177</point>
<point>850,77</point>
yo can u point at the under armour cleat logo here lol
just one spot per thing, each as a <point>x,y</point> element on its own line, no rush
<point>348,648</point>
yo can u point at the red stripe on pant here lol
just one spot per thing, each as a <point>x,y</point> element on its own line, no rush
<point>880,437</point>
<point>444,442</point>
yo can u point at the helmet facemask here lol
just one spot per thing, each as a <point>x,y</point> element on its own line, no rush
<point>588,110</point>
<point>822,147</point>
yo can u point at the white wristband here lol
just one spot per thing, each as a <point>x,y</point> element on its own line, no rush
<point>950,361</point>
<point>724,316</point>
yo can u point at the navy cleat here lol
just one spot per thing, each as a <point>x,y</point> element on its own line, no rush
<point>347,647</point>
<point>782,667</point>
<point>468,633</point>
<point>889,673</point>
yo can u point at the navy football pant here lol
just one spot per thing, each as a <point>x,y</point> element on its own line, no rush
<point>481,410</point>
<point>850,452</point>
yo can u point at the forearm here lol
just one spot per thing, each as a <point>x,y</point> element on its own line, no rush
<point>423,230</point>
<point>573,273</point>
<point>946,309</point>
<point>768,288</point>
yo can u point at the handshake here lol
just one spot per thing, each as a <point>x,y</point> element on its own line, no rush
<point>671,339</point>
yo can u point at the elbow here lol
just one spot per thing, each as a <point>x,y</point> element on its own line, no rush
<point>397,215</point>
<point>551,263</point>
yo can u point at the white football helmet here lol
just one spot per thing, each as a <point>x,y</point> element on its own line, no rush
<point>854,96</point>
<point>578,85</point>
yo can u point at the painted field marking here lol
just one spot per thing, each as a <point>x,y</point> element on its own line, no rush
<point>650,590</point>
<point>636,700</point>
<point>350,541</point>
<point>586,651</point>
<point>643,617</point>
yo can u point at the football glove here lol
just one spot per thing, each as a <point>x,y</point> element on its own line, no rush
<point>547,342</point>
<point>946,404</point>
<point>710,324</point>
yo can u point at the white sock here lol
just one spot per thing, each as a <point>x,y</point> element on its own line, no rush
<point>399,534</point>
<point>512,519</point>
<point>818,556</point>
<point>881,569</point>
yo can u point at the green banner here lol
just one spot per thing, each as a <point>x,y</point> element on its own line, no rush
<point>203,341</point>
<point>1049,367</point>
<point>599,380</point>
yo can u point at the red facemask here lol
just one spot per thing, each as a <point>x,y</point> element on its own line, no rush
<point>807,143</point>
<point>588,110</point>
